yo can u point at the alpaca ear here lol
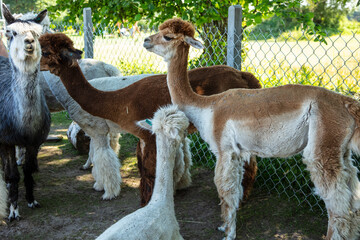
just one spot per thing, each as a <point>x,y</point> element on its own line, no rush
<point>193,42</point>
<point>145,124</point>
<point>40,17</point>
<point>7,15</point>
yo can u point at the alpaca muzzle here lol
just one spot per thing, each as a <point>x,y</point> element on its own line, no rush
<point>29,48</point>
<point>147,43</point>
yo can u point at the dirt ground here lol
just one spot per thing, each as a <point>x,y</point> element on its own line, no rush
<point>71,209</point>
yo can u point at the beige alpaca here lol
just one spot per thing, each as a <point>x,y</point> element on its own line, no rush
<point>272,122</point>
<point>157,220</point>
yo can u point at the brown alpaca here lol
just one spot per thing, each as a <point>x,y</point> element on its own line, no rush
<point>272,122</point>
<point>137,101</point>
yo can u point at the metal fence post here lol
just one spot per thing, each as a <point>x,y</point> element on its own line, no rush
<point>88,34</point>
<point>234,36</point>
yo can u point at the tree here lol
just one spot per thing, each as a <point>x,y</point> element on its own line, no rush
<point>21,6</point>
<point>210,16</point>
<point>327,13</point>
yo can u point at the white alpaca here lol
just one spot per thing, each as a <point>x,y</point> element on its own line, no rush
<point>157,220</point>
<point>272,122</point>
<point>3,196</point>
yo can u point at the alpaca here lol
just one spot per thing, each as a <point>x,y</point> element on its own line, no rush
<point>24,116</point>
<point>3,196</point>
<point>272,122</point>
<point>135,102</point>
<point>91,68</point>
<point>106,165</point>
<point>157,220</point>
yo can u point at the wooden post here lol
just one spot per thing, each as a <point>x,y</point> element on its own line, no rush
<point>88,34</point>
<point>234,36</point>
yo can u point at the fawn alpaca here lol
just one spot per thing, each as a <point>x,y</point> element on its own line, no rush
<point>272,122</point>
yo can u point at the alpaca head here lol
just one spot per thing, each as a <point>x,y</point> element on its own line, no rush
<point>172,34</point>
<point>168,121</point>
<point>45,23</point>
<point>57,51</point>
<point>24,47</point>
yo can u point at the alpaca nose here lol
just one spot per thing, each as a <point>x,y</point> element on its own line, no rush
<point>29,40</point>
<point>147,43</point>
<point>29,43</point>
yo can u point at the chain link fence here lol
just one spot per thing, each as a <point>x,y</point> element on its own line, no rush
<point>275,58</point>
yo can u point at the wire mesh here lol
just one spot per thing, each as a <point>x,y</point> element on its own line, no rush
<point>275,58</point>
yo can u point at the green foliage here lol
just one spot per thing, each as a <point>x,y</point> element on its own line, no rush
<point>134,68</point>
<point>21,6</point>
<point>287,176</point>
<point>60,118</point>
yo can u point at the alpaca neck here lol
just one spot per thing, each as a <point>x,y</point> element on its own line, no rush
<point>165,161</point>
<point>92,100</point>
<point>178,81</point>
<point>26,89</point>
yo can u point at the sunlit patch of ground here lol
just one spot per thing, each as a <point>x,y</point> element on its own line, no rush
<point>129,172</point>
<point>48,151</point>
<point>85,178</point>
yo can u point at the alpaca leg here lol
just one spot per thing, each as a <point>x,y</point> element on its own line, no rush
<point>250,169</point>
<point>12,178</point>
<point>3,196</point>
<point>89,160</point>
<point>179,167</point>
<point>30,166</point>
<point>147,164</point>
<point>228,177</point>
<point>106,167</point>
<point>331,182</point>
<point>114,142</point>
<point>185,180</point>
<point>354,186</point>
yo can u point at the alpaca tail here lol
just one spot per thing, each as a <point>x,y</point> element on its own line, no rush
<point>3,196</point>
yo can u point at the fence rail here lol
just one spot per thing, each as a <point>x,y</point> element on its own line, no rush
<point>275,58</point>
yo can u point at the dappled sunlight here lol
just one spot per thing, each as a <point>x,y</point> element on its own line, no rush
<point>132,182</point>
<point>58,162</point>
<point>85,178</point>
<point>48,151</point>
<point>129,172</point>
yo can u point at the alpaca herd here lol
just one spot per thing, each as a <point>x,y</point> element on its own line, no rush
<point>237,118</point>
<point>135,102</point>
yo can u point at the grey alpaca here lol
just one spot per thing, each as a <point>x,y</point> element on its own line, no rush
<point>24,115</point>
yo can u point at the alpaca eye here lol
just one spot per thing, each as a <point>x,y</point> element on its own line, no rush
<point>8,34</point>
<point>168,38</point>
<point>14,33</point>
